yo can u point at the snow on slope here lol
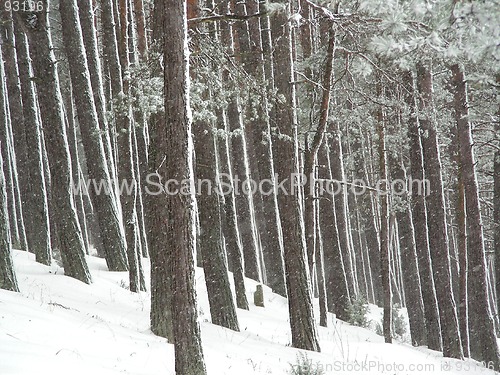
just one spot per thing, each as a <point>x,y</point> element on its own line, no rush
<point>57,325</point>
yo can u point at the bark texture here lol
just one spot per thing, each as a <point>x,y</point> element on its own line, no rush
<point>180,208</point>
<point>419,217</point>
<point>436,220</point>
<point>483,341</point>
<point>103,202</point>
<point>36,25</point>
<point>302,322</point>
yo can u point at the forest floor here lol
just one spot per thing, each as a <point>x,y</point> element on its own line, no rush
<point>57,325</point>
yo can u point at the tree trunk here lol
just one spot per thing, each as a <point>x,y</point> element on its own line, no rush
<point>180,208</point>
<point>483,341</point>
<point>320,273</point>
<point>142,42</point>
<point>20,151</point>
<point>310,159</point>
<point>419,217</point>
<point>409,263</point>
<point>436,220</point>
<point>6,156</point>
<point>463,316</point>
<point>220,296</point>
<point>155,206</point>
<point>303,326</point>
<point>37,206</point>
<point>385,258</point>
<point>241,173</point>
<point>51,110</point>
<point>87,19</point>
<point>8,279</point>
<point>258,133</point>
<point>125,129</point>
<point>337,290</point>
<point>103,202</point>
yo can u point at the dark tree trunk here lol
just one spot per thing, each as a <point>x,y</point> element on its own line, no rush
<point>419,217</point>
<point>155,206</point>
<point>87,21</point>
<point>483,341</point>
<point>258,134</point>
<point>120,84</point>
<point>385,252</point>
<point>337,290</point>
<point>244,203</point>
<point>140,17</point>
<point>341,207</point>
<point>320,273</point>
<point>6,156</point>
<point>310,159</point>
<point>180,208</point>
<point>463,315</point>
<point>229,219</point>
<point>51,110</point>
<point>8,279</point>
<point>36,204</point>
<point>220,296</point>
<point>303,326</point>
<point>14,100</point>
<point>436,219</point>
<point>77,175</point>
<point>103,202</point>
<point>409,264</point>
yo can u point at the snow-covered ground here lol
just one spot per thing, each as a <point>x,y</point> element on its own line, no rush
<point>57,325</point>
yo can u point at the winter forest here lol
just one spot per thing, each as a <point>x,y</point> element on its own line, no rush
<point>249,186</point>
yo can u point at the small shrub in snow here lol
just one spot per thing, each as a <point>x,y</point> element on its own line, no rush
<point>305,366</point>
<point>358,311</point>
<point>398,322</point>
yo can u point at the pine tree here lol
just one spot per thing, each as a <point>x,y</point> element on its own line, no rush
<point>483,341</point>
<point>37,28</point>
<point>103,203</point>
<point>180,208</point>
<point>303,325</point>
<point>436,220</point>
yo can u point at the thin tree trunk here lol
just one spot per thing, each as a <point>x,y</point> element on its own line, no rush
<point>320,273</point>
<point>87,21</point>
<point>142,42</point>
<point>20,151</point>
<point>103,202</point>
<point>230,230</point>
<point>463,318</point>
<point>409,264</point>
<point>6,156</point>
<point>222,309</point>
<point>244,202</point>
<point>37,207</point>
<point>258,134</point>
<point>385,252</point>
<point>337,290</point>
<point>125,130</point>
<point>419,217</point>
<point>51,110</point>
<point>436,220</point>
<point>310,158</point>
<point>483,341</point>
<point>8,279</point>
<point>302,322</point>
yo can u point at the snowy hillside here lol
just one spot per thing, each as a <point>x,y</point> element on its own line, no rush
<point>57,325</point>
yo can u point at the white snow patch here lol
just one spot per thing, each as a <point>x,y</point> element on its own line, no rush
<point>57,325</point>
